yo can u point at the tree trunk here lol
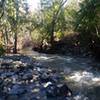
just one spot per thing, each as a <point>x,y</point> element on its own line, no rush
<point>16,25</point>
<point>6,36</point>
<point>15,43</point>
<point>54,21</point>
<point>6,39</point>
<point>52,33</point>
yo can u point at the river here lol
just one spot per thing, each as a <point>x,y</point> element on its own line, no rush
<point>81,77</point>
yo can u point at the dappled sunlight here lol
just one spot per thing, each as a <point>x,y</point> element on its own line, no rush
<point>51,58</point>
<point>35,90</point>
<point>84,77</point>
<point>41,58</point>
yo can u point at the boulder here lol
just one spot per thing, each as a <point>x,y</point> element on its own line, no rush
<point>54,90</point>
<point>65,90</point>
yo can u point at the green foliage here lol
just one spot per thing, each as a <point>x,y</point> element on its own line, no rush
<point>51,19</point>
<point>70,17</point>
<point>88,24</point>
<point>59,34</point>
<point>13,20</point>
<point>88,19</point>
<point>54,20</point>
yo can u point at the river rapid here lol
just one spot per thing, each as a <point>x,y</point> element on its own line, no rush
<point>79,73</point>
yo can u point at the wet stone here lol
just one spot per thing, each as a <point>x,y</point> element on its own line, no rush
<point>17,90</point>
<point>8,74</point>
<point>6,62</point>
<point>45,78</point>
<point>60,90</point>
<point>22,80</point>
<point>12,97</point>
<point>27,76</point>
<point>5,66</point>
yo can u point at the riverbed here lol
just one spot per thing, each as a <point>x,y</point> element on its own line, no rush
<point>22,76</point>
<point>79,73</point>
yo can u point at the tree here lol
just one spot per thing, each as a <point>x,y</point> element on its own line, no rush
<point>16,25</point>
<point>2,6</point>
<point>88,25</point>
<point>13,17</point>
<point>52,13</point>
<point>88,17</point>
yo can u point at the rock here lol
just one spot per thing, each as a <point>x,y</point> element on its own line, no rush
<point>17,90</point>
<point>3,96</point>
<point>6,62</point>
<point>44,78</point>
<point>48,76</point>
<point>1,84</point>
<point>56,78</point>
<point>53,90</point>
<point>7,74</point>
<point>12,97</point>
<point>27,76</point>
<point>5,65</point>
<point>1,81</point>
<point>65,91</point>
<point>14,78</point>
<point>7,83</point>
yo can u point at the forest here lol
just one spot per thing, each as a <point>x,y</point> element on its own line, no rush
<point>51,52</point>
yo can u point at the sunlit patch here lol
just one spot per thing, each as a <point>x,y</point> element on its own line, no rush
<point>80,97</point>
<point>96,79</point>
<point>17,62</point>
<point>47,84</point>
<point>41,58</point>
<point>84,77</point>
<point>44,58</point>
<point>33,4</point>
<point>77,76</point>
<point>35,90</point>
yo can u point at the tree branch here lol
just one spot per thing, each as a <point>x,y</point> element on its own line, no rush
<point>2,6</point>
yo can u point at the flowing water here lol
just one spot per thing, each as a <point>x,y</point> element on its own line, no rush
<point>81,77</point>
